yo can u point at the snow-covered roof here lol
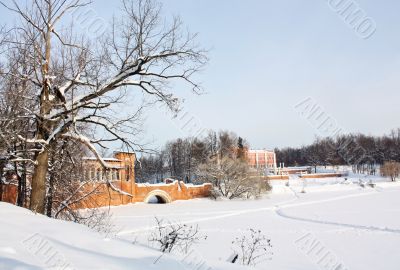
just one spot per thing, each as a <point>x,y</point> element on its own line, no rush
<point>124,152</point>
<point>105,159</point>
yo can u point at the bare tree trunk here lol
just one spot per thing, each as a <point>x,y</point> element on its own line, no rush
<point>1,180</point>
<point>38,195</point>
<point>52,178</point>
<point>50,195</point>
<point>19,184</point>
<point>22,188</point>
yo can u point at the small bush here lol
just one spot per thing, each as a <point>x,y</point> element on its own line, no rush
<point>170,236</point>
<point>252,249</point>
<point>391,169</point>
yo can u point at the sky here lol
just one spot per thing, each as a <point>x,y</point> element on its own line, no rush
<point>268,56</point>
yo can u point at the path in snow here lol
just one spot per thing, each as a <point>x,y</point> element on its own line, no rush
<point>278,210</point>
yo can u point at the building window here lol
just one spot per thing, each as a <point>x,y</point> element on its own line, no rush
<point>127,173</point>
<point>87,174</point>
<point>104,174</point>
<point>109,174</point>
<point>99,175</point>
<point>115,175</point>
<point>92,174</point>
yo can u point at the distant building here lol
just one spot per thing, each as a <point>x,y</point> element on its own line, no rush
<point>262,159</point>
<point>121,168</point>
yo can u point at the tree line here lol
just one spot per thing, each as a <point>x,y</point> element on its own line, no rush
<point>361,151</point>
<point>181,158</point>
<point>218,158</point>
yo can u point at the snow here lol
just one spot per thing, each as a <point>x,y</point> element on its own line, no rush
<point>32,242</point>
<point>358,227</point>
<point>351,227</point>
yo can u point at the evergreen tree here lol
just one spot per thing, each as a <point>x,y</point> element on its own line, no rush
<point>241,151</point>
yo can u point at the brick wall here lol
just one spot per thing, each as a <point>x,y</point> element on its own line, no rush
<point>9,194</point>
<point>277,177</point>
<point>105,196</point>
<point>322,175</point>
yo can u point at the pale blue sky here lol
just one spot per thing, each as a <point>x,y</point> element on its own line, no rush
<point>266,56</point>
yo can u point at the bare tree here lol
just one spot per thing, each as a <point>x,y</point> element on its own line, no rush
<point>227,144</point>
<point>74,85</point>
<point>151,168</point>
<point>15,95</point>
<point>231,178</point>
<point>67,185</point>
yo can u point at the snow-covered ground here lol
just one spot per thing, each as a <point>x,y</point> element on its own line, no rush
<point>33,242</point>
<point>335,224</point>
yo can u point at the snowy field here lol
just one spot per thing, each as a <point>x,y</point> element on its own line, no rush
<point>335,224</point>
<point>35,242</point>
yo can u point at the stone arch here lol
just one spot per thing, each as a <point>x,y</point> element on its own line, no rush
<point>162,196</point>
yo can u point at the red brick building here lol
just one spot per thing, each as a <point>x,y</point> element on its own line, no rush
<point>262,159</point>
<point>116,185</point>
<point>121,173</point>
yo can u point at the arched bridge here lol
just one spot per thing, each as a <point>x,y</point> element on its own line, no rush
<point>158,196</point>
<point>148,193</point>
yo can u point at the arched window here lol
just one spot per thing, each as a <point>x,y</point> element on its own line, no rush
<point>92,174</point>
<point>87,173</point>
<point>99,176</point>
<point>115,174</point>
<point>110,174</point>
<point>105,174</point>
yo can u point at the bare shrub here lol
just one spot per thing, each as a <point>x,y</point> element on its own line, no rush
<point>231,178</point>
<point>97,219</point>
<point>252,249</point>
<point>169,236</point>
<point>391,169</point>
<point>100,221</point>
